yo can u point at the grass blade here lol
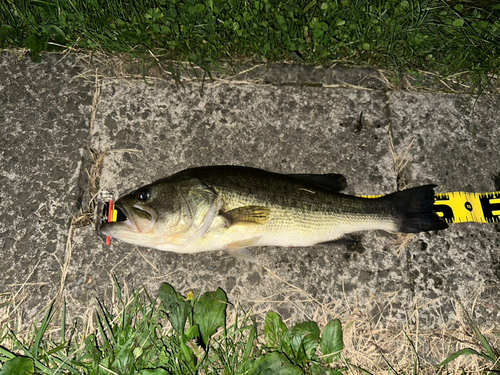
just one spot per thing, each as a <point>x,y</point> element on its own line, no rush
<point>6,353</point>
<point>41,331</point>
<point>250,343</point>
<point>117,288</point>
<point>482,340</point>
<point>28,353</point>
<point>63,322</point>
<point>417,359</point>
<point>467,351</point>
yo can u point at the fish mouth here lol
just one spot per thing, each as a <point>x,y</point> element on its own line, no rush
<point>138,218</point>
<point>123,222</point>
<point>142,214</point>
<point>123,211</point>
<point>131,219</point>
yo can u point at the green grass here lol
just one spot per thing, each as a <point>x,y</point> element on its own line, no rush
<point>174,334</point>
<point>448,37</point>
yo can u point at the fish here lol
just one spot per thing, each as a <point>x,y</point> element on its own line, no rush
<point>232,208</point>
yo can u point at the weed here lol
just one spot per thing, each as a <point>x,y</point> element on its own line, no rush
<point>176,334</point>
<point>432,35</point>
<point>171,334</point>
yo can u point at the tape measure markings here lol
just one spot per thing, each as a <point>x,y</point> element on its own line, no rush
<point>464,207</point>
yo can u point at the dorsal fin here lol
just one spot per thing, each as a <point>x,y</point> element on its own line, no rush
<point>331,182</point>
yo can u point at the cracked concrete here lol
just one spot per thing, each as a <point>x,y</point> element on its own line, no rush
<point>285,119</point>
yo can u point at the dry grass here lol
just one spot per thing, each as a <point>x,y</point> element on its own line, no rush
<point>372,344</point>
<point>101,66</point>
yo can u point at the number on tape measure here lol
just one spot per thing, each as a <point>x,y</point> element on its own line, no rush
<point>463,207</point>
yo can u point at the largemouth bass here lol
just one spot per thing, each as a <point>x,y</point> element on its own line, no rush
<point>231,208</point>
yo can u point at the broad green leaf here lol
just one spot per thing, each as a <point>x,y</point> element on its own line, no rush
<point>199,8</point>
<point>92,349</point>
<point>169,296</point>
<point>192,332</point>
<point>210,313</point>
<point>274,364</point>
<point>332,341</point>
<point>274,329</point>
<point>318,33</point>
<point>36,44</point>
<point>178,315</point>
<point>188,355</point>
<point>175,305</point>
<point>301,341</point>
<point>459,22</point>
<point>318,369</point>
<point>124,357</point>
<point>137,352</point>
<point>18,366</point>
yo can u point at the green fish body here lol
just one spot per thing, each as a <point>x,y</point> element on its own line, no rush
<point>231,208</point>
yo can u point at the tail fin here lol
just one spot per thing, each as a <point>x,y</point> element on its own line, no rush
<point>415,210</point>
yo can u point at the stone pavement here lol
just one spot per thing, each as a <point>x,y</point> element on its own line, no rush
<point>60,115</point>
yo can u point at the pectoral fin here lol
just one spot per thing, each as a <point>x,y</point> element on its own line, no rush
<point>247,214</point>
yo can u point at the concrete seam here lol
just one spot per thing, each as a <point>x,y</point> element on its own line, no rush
<point>398,187</point>
<point>69,242</point>
<point>95,102</point>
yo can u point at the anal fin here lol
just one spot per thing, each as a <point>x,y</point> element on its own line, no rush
<point>238,249</point>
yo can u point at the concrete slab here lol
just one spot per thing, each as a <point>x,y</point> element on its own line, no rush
<point>451,140</point>
<point>286,129</point>
<point>151,131</point>
<point>45,112</point>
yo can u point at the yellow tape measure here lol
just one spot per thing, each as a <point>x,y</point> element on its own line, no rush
<point>463,207</point>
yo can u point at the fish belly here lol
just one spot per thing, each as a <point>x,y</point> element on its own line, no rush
<point>292,232</point>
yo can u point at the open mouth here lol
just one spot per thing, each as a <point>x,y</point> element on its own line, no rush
<point>120,216</point>
<point>124,217</point>
<point>120,213</point>
<point>135,218</point>
<point>144,217</point>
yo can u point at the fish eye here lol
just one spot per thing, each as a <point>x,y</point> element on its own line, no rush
<point>143,195</point>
